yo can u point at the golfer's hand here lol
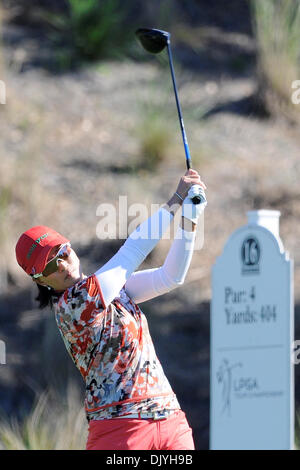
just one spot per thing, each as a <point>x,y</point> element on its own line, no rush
<point>190,178</point>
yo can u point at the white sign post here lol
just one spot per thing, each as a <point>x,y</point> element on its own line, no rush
<point>252,330</point>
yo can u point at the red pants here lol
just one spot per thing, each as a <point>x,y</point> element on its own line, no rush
<point>172,433</point>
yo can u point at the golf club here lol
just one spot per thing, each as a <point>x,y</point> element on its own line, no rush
<point>154,41</point>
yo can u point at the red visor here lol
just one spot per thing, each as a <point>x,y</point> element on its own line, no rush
<point>34,246</point>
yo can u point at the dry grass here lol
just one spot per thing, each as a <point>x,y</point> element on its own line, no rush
<point>277,27</point>
<point>55,423</point>
<point>155,139</point>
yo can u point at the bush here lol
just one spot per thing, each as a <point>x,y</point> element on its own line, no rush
<point>277,28</point>
<point>98,28</point>
<point>155,138</point>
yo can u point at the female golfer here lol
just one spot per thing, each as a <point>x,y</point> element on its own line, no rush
<point>129,402</point>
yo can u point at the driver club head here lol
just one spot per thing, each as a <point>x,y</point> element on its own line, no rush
<point>153,40</point>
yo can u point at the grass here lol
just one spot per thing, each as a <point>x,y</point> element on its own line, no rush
<point>277,29</point>
<point>55,423</point>
<point>155,138</point>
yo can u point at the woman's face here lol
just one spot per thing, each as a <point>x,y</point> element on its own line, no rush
<point>67,274</point>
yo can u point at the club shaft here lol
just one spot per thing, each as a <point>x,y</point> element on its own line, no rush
<point>184,138</point>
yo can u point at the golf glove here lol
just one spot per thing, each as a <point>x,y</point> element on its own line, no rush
<point>190,210</point>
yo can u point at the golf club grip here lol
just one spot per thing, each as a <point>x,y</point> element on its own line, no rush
<point>196,199</point>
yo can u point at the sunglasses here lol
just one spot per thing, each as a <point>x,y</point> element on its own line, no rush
<point>51,267</point>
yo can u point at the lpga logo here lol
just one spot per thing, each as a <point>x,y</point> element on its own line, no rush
<point>2,92</point>
<point>225,379</point>
<point>2,353</point>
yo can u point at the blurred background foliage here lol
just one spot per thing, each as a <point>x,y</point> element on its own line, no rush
<point>277,30</point>
<point>90,30</point>
<point>86,104</point>
<point>56,422</point>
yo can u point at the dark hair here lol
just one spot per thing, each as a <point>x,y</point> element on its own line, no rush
<point>45,296</point>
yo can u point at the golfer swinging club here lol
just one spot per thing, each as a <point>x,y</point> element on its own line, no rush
<point>129,402</point>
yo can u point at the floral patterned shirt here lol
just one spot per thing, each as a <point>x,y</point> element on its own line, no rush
<point>113,350</point>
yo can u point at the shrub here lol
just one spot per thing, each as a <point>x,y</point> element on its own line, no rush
<point>98,28</point>
<point>277,29</point>
<point>154,130</point>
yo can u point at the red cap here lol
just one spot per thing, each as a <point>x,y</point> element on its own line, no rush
<point>34,246</point>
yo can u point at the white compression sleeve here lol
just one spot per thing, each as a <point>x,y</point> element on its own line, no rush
<point>150,283</point>
<point>113,274</point>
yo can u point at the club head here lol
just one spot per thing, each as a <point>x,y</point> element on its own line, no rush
<point>153,40</point>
